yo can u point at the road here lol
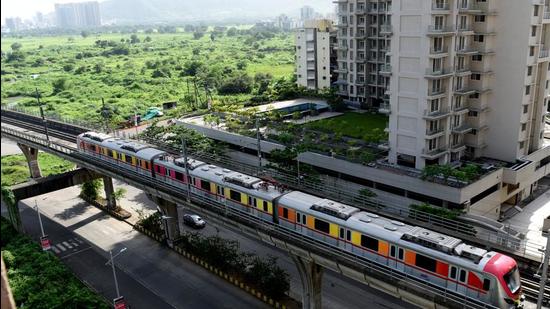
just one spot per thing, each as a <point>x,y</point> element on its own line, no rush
<point>151,276</point>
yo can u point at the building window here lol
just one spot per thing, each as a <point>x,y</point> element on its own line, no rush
<point>536,10</point>
<point>521,145</point>
<point>434,105</point>
<point>479,18</point>
<point>479,38</point>
<point>529,70</point>
<point>527,90</point>
<point>473,132</point>
<point>525,109</point>
<point>432,144</point>
<point>523,127</point>
<point>533,31</point>
<point>475,76</point>
<point>477,58</point>
<point>531,51</point>
<point>472,113</point>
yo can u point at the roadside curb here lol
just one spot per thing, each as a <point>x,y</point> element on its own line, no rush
<point>223,275</point>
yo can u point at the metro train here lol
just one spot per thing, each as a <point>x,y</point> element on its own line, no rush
<point>442,260</point>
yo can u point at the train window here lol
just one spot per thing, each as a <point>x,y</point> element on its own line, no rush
<point>322,226</point>
<point>452,272</point>
<point>348,235</point>
<point>92,147</point>
<point>250,200</point>
<point>255,202</point>
<point>179,176</point>
<point>304,219</point>
<point>298,217</point>
<point>392,251</point>
<point>369,242</point>
<point>401,253</point>
<point>147,165</point>
<point>342,234</point>
<point>462,277</point>
<point>425,262</point>
<point>220,190</point>
<point>265,206</point>
<point>486,284</point>
<point>234,195</point>
<point>205,185</point>
<point>285,213</point>
<point>128,159</point>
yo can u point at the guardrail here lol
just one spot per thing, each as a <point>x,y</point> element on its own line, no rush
<point>154,186</point>
<point>499,241</point>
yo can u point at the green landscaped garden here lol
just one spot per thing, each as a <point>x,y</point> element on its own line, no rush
<point>15,169</point>
<point>351,124</point>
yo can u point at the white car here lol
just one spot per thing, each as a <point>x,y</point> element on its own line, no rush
<point>194,221</point>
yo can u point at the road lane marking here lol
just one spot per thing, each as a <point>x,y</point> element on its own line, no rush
<point>60,246</point>
<point>67,245</point>
<point>55,250</point>
<point>76,252</point>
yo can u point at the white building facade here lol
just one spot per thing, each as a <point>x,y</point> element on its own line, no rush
<point>313,53</point>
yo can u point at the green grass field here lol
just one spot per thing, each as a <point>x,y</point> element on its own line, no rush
<point>15,169</point>
<point>352,124</point>
<point>151,73</point>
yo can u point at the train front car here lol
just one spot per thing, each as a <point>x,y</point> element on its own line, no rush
<point>506,272</point>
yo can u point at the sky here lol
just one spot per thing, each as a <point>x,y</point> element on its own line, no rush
<point>26,9</point>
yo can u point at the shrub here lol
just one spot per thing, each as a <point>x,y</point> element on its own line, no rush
<point>90,189</point>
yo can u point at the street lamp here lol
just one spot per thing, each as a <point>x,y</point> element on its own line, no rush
<point>44,241</point>
<point>111,261</point>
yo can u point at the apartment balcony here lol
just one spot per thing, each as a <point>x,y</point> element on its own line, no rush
<point>360,59</point>
<point>471,8</point>
<point>360,35</point>
<point>386,29</point>
<point>360,11</point>
<point>457,147</point>
<point>339,1</point>
<point>441,8</point>
<point>441,30</point>
<point>341,47</point>
<point>465,90</point>
<point>436,115</point>
<point>341,70</point>
<point>434,153</point>
<point>436,93</point>
<point>384,109</point>
<point>433,133</point>
<point>467,51</point>
<point>462,72</point>
<point>439,52</point>
<point>385,70</point>
<point>341,82</point>
<point>342,24</point>
<point>462,129</point>
<point>546,16</point>
<point>460,110</point>
<point>439,73</point>
<point>543,55</point>
<point>465,30</point>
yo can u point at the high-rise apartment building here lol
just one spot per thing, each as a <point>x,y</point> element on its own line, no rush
<point>78,15</point>
<point>458,78</point>
<point>313,54</point>
<point>306,13</point>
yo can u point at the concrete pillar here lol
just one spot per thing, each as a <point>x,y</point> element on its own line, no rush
<point>311,276</point>
<point>109,189</point>
<point>169,211</point>
<point>32,160</point>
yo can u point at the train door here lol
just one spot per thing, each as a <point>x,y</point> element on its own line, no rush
<point>220,195</point>
<point>392,257</point>
<point>462,287</point>
<point>453,276</point>
<point>299,222</point>
<point>400,263</point>
<point>344,239</point>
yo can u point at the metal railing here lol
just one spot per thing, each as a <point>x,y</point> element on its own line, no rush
<point>240,217</point>
<point>341,192</point>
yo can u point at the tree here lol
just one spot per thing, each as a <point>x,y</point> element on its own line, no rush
<point>241,83</point>
<point>84,33</point>
<point>119,194</point>
<point>232,31</point>
<point>147,39</point>
<point>90,189</point>
<point>16,56</point>
<point>134,39</point>
<point>68,67</point>
<point>59,85</point>
<point>198,34</point>
<point>16,46</point>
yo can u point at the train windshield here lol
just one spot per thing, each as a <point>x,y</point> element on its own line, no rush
<point>512,279</point>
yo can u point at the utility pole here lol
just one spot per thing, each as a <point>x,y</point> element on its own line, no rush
<point>114,273</point>
<point>104,115</point>
<point>42,116</point>
<point>135,120</point>
<point>184,150</point>
<point>39,218</point>
<point>259,144</point>
<point>196,92</point>
<point>544,275</point>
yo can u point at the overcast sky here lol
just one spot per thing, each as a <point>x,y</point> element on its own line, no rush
<point>26,9</point>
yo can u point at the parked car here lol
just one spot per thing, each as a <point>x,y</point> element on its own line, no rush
<point>194,221</point>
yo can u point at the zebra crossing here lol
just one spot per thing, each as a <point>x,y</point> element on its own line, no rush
<point>68,246</point>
